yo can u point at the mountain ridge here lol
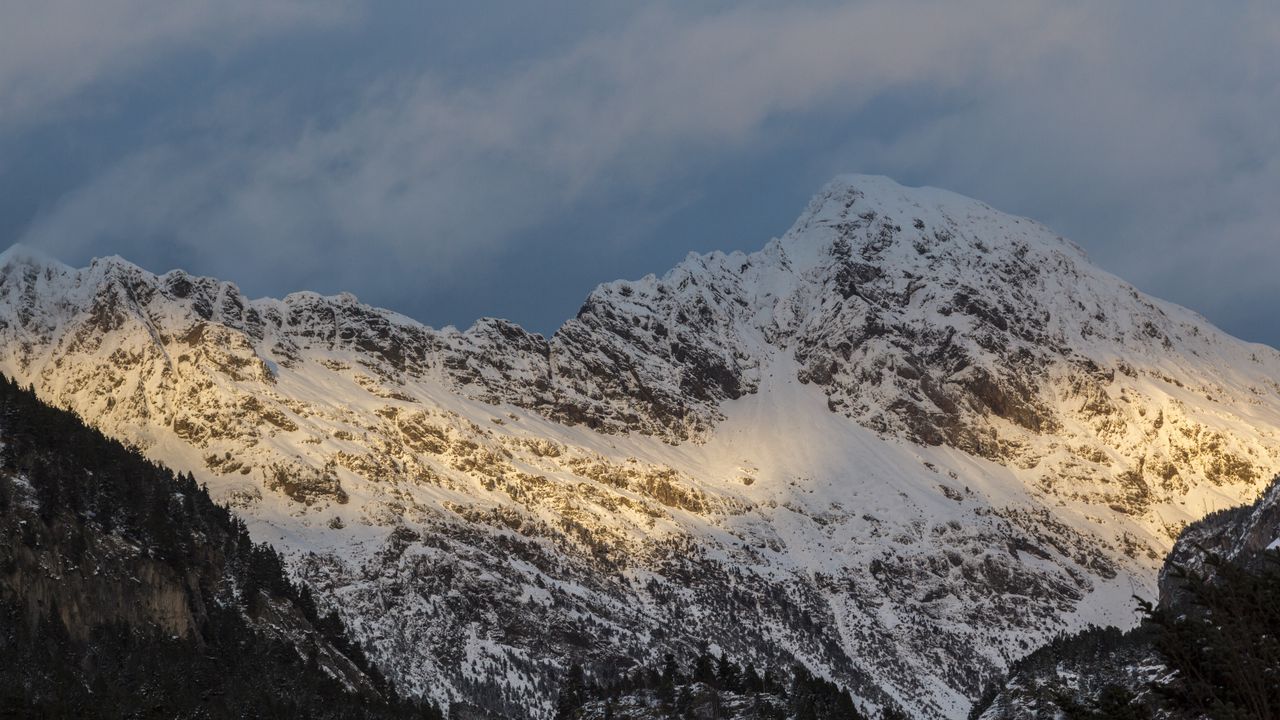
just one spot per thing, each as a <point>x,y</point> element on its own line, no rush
<point>919,421</point>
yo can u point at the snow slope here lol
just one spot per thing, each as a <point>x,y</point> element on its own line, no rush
<point>904,444</point>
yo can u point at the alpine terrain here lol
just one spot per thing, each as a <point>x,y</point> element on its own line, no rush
<point>901,446</point>
<point>1210,648</point>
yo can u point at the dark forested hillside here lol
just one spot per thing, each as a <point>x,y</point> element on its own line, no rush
<point>1209,649</point>
<point>1097,673</point>
<point>126,592</point>
<point>705,687</point>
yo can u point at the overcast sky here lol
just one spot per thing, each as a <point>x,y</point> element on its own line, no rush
<point>457,160</point>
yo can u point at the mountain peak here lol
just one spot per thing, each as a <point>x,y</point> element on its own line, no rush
<point>897,223</point>
<point>19,254</point>
<point>115,262</point>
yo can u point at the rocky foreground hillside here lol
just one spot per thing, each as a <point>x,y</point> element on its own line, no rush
<point>902,445</point>
<point>1208,647</point>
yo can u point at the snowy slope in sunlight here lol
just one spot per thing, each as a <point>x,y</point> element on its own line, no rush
<point>903,444</point>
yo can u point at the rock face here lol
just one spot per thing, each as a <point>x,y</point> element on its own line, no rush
<point>1238,534</point>
<point>903,444</point>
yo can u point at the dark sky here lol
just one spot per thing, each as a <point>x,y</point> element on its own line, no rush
<point>503,158</point>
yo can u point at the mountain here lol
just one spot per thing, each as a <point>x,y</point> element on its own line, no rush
<point>902,445</point>
<point>126,592</point>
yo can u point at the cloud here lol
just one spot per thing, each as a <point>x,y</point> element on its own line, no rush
<point>1145,131</point>
<point>1157,150</point>
<point>52,49</point>
<point>431,174</point>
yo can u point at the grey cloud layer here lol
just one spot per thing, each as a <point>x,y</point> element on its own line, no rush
<point>51,49</point>
<point>1146,132</point>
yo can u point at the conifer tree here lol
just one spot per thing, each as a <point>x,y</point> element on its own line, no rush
<point>728,676</point>
<point>751,681</point>
<point>572,693</point>
<point>668,680</point>
<point>703,669</point>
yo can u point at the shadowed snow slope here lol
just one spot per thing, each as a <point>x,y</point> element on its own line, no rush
<point>903,444</point>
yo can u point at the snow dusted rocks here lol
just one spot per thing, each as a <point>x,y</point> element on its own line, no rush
<point>904,444</point>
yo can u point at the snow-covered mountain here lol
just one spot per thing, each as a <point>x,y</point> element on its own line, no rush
<point>903,444</point>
